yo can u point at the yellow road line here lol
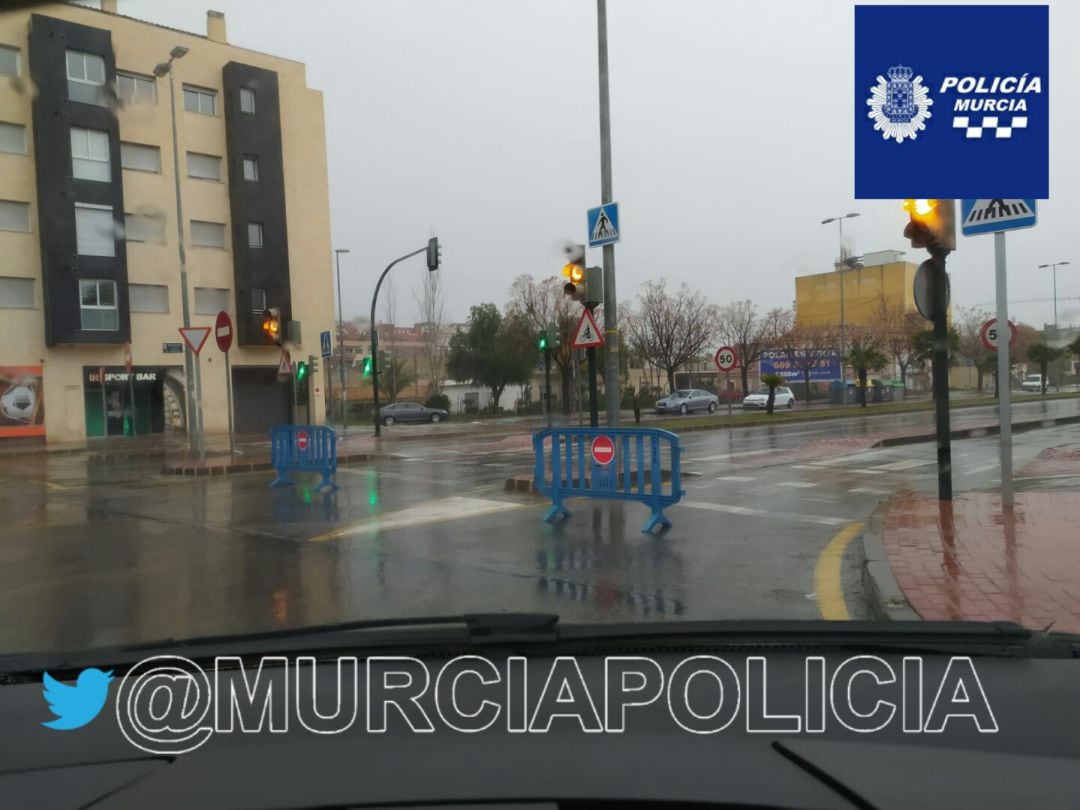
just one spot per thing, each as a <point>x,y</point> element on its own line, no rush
<point>827,585</point>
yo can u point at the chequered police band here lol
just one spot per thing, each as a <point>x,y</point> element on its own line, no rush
<point>989,122</point>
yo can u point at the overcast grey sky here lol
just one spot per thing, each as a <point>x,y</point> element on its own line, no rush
<point>476,120</point>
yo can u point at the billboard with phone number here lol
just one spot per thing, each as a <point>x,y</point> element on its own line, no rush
<point>822,369</point>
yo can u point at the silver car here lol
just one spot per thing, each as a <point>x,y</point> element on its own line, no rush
<point>685,400</point>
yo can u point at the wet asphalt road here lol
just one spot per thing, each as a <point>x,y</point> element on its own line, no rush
<point>99,554</point>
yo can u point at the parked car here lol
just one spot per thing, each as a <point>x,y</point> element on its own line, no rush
<point>1032,382</point>
<point>411,412</point>
<point>784,398</point>
<point>688,399</point>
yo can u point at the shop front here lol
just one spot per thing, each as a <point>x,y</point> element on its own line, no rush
<point>119,403</point>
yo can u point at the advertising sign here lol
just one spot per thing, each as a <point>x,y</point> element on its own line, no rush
<point>825,368</point>
<point>22,402</point>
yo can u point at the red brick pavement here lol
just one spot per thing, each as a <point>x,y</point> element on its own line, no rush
<point>972,560</point>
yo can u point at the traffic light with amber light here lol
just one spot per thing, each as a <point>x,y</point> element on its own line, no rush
<point>574,270</point>
<point>271,325</point>
<point>931,225</point>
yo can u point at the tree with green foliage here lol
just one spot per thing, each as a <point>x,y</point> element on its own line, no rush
<point>396,377</point>
<point>773,381</point>
<point>865,357</point>
<point>492,351</point>
<point>922,344</point>
<point>1043,355</point>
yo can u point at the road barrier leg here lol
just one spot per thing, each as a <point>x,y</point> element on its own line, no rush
<point>326,482</point>
<point>557,509</point>
<point>656,518</point>
<point>282,480</point>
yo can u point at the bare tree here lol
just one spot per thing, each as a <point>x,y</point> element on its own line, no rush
<point>805,347</point>
<point>671,330</point>
<point>969,324</point>
<point>543,302</point>
<point>897,325</point>
<point>739,325</point>
<point>432,304</point>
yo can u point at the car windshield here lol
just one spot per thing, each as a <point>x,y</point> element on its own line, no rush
<point>361,339</point>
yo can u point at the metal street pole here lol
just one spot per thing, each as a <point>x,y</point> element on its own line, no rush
<point>375,370</point>
<point>192,384</point>
<point>612,392</point>
<point>1053,269</point>
<point>940,372</point>
<point>1003,385</point>
<point>843,319</point>
<point>341,344</point>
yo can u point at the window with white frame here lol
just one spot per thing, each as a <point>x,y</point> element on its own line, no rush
<point>12,138</point>
<point>251,168</point>
<point>131,88</point>
<point>16,293</point>
<point>247,100</point>
<point>95,231</point>
<point>86,78</point>
<point>153,298</point>
<point>140,158</point>
<point>255,234</point>
<point>10,63</point>
<point>14,216</point>
<point>200,100</point>
<point>144,228</point>
<point>207,234</point>
<point>90,155</point>
<point>97,304</point>
<point>204,167</point>
<point>210,300</point>
<point>258,300</point>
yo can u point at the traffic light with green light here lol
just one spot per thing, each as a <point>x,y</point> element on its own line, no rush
<point>542,341</point>
<point>366,366</point>
<point>931,224</point>
<point>301,370</point>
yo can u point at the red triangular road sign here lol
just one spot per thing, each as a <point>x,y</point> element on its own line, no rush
<point>284,366</point>
<point>195,336</point>
<point>588,333</point>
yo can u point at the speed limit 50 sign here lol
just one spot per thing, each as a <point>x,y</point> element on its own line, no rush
<point>990,335</point>
<point>726,359</point>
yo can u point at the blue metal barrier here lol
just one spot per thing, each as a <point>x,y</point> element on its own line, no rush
<point>635,473</point>
<point>303,448</point>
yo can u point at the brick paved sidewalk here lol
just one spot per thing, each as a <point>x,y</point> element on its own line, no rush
<point>972,560</point>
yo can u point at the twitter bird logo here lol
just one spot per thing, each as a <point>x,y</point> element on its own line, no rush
<point>75,706</point>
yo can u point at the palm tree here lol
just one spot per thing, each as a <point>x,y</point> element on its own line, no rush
<point>772,381</point>
<point>863,359</point>
<point>1043,355</point>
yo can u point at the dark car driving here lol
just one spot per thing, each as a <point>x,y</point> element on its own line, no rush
<point>411,412</point>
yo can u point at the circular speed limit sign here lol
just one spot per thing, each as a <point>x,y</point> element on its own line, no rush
<point>726,358</point>
<point>990,335</point>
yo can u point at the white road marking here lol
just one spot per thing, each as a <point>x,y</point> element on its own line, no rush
<point>453,508</point>
<point>869,491</point>
<point>794,517</point>
<point>723,456</point>
<point>735,478</point>
<point>797,484</point>
<point>981,469</point>
<point>906,464</point>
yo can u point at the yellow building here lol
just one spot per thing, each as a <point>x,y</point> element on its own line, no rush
<point>865,290</point>
<point>89,254</point>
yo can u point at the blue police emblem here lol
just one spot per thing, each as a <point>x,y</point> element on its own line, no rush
<point>900,106</point>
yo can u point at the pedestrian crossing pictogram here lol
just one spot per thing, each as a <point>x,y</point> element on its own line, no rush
<point>603,225</point>
<point>990,215</point>
<point>603,229</point>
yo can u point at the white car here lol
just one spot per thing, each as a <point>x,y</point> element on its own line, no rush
<point>1032,382</point>
<point>784,398</point>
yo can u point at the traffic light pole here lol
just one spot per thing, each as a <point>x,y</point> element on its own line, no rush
<point>940,372</point>
<point>590,357</point>
<point>375,370</point>
<point>547,384</point>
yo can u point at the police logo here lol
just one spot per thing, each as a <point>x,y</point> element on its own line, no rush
<point>899,106</point>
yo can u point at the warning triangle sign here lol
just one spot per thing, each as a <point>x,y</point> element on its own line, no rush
<point>984,211</point>
<point>588,333</point>
<point>284,366</point>
<point>195,336</point>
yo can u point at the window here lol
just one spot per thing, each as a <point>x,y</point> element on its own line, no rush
<point>148,298</point>
<point>207,234</point>
<point>90,155</point>
<point>140,158</point>
<point>247,100</point>
<point>134,89</point>
<point>199,100</point>
<point>210,301</point>
<point>86,77</point>
<point>251,168</point>
<point>255,234</point>
<point>144,228</point>
<point>13,138</point>
<point>95,233</point>
<point>16,293</point>
<point>9,61</point>
<point>205,167</point>
<point>97,301</point>
<point>258,300</point>
<point>14,216</point>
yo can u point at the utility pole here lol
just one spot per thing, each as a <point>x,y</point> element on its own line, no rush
<point>1053,269</point>
<point>341,346</point>
<point>843,325</point>
<point>612,391</point>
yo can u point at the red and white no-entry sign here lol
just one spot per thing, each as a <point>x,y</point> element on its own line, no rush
<point>301,440</point>
<point>603,450</point>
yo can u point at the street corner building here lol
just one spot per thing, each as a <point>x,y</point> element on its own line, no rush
<point>90,205</point>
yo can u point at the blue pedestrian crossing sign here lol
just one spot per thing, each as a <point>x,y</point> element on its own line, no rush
<point>324,342</point>
<point>603,225</point>
<point>991,216</point>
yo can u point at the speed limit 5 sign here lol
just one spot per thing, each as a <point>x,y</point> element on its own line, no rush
<point>990,335</point>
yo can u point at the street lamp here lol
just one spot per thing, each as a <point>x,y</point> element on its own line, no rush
<point>341,340</point>
<point>840,223</point>
<point>192,381</point>
<point>1054,266</point>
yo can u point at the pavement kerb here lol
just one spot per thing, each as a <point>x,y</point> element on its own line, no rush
<point>883,595</point>
<point>977,432</point>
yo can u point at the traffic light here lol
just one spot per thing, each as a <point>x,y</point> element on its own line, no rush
<point>434,254</point>
<point>313,364</point>
<point>301,370</point>
<point>271,325</point>
<point>366,366</point>
<point>932,224</point>
<point>542,340</point>
<point>574,269</point>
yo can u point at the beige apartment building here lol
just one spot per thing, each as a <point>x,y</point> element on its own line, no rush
<point>89,246</point>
